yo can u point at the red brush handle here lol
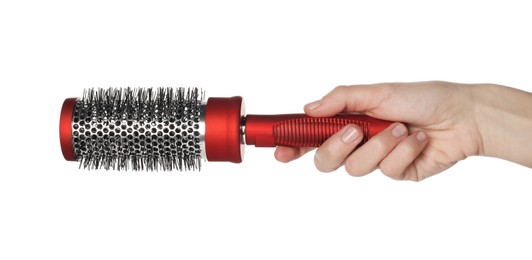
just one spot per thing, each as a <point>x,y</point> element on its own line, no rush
<point>224,121</point>
<point>303,131</point>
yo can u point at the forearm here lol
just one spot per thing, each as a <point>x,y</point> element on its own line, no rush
<point>504,119</point>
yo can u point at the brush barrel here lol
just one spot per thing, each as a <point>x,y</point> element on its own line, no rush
<point>134,128</point>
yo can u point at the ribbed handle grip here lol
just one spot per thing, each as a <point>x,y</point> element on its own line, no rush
<point>311,132</point>
<point>303,131</point>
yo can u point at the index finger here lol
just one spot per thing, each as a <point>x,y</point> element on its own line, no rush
<point>356,98</point>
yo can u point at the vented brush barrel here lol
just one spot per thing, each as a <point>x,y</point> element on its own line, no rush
<point>165,128</point>
<point>138,129</point>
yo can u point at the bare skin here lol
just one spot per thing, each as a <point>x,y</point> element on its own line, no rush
<point>437,125</point>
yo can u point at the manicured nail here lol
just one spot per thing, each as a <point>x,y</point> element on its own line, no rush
<point>421,136</point>
<point>399,130</point>
<point>313,105</point>
<point>349,135</point>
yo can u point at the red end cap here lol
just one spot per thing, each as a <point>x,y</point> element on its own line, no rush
<point>223,137</point>
<point>65,129</point>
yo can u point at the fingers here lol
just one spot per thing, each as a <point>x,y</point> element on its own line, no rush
<point>393,151</point>
<point>398,164</point>
<point>349,99</point>
<point>368,157</point>
<point>333,152</point>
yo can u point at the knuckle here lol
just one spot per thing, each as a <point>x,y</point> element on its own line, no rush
<point>352,169</point>
<point>412,174</point>
<point>321,164</point>
<point>340,88</point>
<point>337,91</point>
<point>391,172</point>
<point>378,144</point>
<point>415,178</point>
<point>410,151</point>
<point>326,153</point>
<point>329,157</point>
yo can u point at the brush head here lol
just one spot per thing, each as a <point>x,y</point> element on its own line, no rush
<point>134,129</point>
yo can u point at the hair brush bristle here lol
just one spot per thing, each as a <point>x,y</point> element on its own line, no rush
<point>138,129</point>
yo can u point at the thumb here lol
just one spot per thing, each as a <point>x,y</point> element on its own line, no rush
<point>346,99</point>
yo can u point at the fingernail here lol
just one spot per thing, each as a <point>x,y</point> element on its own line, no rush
<point>399,130</point>
<point>313,105</point>
<point>349,135</point>
<point>421,136</point>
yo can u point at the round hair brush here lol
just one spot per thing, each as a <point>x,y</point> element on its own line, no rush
<point>175,128</point>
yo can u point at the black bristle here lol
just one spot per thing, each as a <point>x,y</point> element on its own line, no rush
<point>138,129</point>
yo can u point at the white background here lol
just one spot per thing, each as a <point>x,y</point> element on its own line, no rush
<point>278,55</point>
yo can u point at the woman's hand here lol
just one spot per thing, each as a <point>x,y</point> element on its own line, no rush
<point>438,124</point>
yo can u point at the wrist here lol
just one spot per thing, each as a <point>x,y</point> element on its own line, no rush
<point>504,120</point>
